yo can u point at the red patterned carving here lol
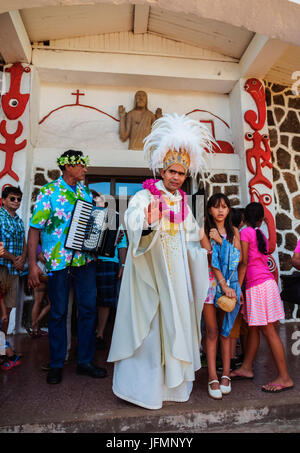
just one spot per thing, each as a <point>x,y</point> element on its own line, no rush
<point>260,151</point>
<point>222,146</point>
<point>261,154</point>
<point>255,88</point>
<point>10,147</point>
<point>14,102</point>
<point>261,157</point>
<point>266,199</point>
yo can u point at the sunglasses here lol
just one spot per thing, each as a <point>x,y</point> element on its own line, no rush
<point>19,199</point>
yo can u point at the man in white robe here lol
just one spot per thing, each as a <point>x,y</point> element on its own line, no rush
<point>157,334</point>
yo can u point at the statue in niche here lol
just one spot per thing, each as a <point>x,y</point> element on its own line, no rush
<point>136,124</point>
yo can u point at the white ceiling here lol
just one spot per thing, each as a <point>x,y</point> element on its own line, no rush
<point>48,23</point>
<point>288,64</point>
<point>99,19</point>
<point>72,21</point>
<point>209,34</point>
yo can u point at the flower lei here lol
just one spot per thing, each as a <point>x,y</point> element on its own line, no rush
<point>73,160</point>
<point>149,184</point>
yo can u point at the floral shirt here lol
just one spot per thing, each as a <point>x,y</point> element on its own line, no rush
<point>12,235</point>
<point>52,215</point>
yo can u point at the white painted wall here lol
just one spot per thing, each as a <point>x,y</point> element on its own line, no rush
<point>97,135</point>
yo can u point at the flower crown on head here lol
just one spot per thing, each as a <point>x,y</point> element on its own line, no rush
<point>72,160</point>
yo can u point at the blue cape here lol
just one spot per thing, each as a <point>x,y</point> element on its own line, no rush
<point>226,257</point>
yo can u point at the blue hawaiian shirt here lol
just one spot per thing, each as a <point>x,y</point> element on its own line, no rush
<point>52,215</point>
<point>12,235</point>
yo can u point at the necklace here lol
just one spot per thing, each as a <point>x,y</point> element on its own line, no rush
<point>149,184</point>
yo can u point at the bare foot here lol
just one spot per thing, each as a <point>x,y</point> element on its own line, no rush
<point>242,373</point>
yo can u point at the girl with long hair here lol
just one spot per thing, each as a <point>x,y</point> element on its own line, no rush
<point>222,240</point>
<point>263,306</point>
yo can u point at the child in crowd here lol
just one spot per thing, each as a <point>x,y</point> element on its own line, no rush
<point>8,359</point>
<point>40,294</point>
<point>263,306</point>
<point>240,327</point>
<point>222,239</point>
<point>109,273</point>
<point>296,257</point>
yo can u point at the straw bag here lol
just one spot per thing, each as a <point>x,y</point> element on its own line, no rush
<point>226,303</point>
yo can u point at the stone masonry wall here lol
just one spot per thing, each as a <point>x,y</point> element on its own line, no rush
<point>42,177</point>
<point>283,110</point>
<point>227,182</point>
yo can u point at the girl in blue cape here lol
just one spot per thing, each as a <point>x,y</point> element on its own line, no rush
<point>222,240</point>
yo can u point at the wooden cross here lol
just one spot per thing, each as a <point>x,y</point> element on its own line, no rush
<point>77,94</point>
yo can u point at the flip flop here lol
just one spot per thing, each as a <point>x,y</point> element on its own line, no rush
<point>29,332</point>
<point>241,378</point>
<point>281,388</point>
<point>42,333</point>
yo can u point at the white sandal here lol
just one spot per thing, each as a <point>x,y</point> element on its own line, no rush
<point>214,393</point>
<point>225,389</point>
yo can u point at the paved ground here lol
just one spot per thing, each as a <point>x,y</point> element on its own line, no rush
<point>84,405</point>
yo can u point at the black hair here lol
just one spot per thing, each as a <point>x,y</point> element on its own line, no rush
<point>94,193</point>
<point>70,153</point>
<point>11,190</point>
<point>213,202</point>
<point>237,216</point>
<point>254,214</point>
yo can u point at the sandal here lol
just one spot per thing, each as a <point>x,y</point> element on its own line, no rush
<point>277,388</point>
<point>216,394</point>
<point>225,389</point>
<point>42,333</point>
<point>29,332</point>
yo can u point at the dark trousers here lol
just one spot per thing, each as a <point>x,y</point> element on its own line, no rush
<point>83,279</point>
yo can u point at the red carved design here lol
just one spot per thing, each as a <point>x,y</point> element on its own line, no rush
<point>261,154</point>
<point>255,88</point>
<point>266,199</point>
<point>10,147</point>
<point>222,146</point>
<point>14,102</point>
<point>260,151</point>
<point>261,157</point>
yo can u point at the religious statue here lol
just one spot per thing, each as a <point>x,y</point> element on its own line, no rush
<point>136,124</point>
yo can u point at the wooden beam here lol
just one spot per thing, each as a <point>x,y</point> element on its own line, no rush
<point>171,73</point>
<point>14,42</point>
<point>260,56</point>
<point>278,19</point>
<point>140,18</point>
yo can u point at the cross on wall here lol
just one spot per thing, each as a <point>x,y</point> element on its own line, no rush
<point>77,94</point>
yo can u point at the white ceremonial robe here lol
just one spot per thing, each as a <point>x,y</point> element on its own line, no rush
<point>157,334</point>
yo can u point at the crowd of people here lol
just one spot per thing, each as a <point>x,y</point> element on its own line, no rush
<point>182,293</point>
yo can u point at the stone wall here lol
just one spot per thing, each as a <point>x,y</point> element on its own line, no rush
<point>42,177</point>
<point>283,110</point>
<point>227,182</point>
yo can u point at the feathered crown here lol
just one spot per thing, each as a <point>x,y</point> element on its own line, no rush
<point>178,139</point>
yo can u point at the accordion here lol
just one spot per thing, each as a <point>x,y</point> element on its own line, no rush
<point>93,229</point>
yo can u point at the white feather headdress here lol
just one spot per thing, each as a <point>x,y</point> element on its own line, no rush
<point>174,132</point>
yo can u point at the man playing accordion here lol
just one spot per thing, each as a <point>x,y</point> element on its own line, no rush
<point>52,216</point>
